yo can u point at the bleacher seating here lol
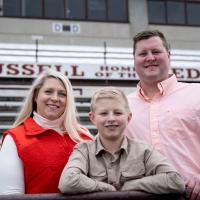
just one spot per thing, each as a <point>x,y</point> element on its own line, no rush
<point>13,89</point>
<point>12,96</point>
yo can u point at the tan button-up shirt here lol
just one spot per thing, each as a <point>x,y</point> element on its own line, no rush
<point>136,166</point>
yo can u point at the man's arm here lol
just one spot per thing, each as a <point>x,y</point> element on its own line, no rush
<point>193,188</point>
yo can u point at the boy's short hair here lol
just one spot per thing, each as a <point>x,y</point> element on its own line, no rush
<point>108,93</point>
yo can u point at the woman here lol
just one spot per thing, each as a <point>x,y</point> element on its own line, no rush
<point>35,151</point>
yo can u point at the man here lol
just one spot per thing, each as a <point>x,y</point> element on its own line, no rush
<point>166,113</point>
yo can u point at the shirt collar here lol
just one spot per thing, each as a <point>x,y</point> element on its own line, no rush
<point>56,125</point>
<point>32,128</point>
<point>100,148</point>
<point>124,145</point>
<point>164,87</point>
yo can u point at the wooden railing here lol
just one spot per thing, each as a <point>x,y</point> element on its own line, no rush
<point>132,195</point>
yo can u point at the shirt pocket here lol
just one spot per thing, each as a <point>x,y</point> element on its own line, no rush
<point>132,170</point>
<point>181,123</point>
<point>97,171</point>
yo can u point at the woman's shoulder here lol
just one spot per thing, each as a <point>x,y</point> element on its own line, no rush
<point>15,130</point>
<point>85,133</point>
<point>86,137</point>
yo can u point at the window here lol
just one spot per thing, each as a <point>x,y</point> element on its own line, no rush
<point>31,8</point>
<point>114,6</point>
<point>54,9</point>
<point>96,10</point>
<point>193,13</point>
<point>11,8</point>
<point>157,12</point>
<point>75,12</point>
<point>85,10</point>
<point>174,12</point>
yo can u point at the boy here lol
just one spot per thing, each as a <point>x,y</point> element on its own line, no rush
<point>113,162</point>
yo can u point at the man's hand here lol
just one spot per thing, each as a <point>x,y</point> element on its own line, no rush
<point>193,188</point>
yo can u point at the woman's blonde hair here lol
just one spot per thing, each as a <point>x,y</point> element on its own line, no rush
<point>70,123</point>
<point>108,93</point>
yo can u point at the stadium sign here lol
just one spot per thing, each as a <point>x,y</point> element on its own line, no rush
<point>89,71</point>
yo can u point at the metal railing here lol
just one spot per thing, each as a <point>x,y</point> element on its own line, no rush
<point>131,195</point>
<point>85,54</point>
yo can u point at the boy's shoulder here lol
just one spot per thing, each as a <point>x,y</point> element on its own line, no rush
<point>136,145</point>
<point>89,145</point>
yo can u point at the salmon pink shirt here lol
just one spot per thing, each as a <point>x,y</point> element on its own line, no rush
<point>170,122</point>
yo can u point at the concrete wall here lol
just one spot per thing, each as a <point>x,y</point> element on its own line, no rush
<point>16,30</point>
<point>21,30</point>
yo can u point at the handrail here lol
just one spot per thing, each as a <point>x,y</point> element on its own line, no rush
<point>131,195</point>
<point>64,53</point>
